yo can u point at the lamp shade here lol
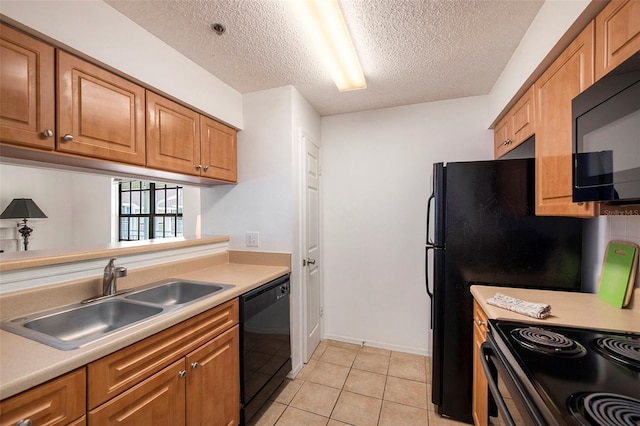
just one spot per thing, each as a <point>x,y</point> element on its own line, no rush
<point>22,208</point>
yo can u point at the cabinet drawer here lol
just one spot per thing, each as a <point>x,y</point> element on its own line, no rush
<point>58,402</point>
<point>119,371</point>
<point>480,319</point>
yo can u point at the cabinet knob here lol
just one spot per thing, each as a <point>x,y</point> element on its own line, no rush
<point>195,365</point>
<point>25,422</point>
<point>206,168</point>
<point>480,323</point>
<point>68,137</point>
<point>199,166</point>
<point>182,374</point>
<point>47,133</point>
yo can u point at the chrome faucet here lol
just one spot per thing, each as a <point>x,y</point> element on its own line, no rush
<point>111,273</point>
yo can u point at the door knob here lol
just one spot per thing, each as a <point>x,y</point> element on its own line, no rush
<point>308,261</point>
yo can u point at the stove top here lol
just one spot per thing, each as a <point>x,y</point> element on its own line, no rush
<point>584,377</point>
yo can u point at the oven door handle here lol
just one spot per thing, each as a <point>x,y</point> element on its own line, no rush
<point>486,350</point>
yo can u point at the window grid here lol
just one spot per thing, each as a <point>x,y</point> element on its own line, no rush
<point>149,210</point>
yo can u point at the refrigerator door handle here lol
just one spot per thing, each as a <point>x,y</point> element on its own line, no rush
<point>432,197</point>
<point>426,278</point>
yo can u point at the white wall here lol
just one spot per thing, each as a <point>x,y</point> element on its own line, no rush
<point>550,24</point>
<point>376,178</point>
<point>94,28</point>
<point>267,199</point>
<point>78,206</point>
<point>262,200</point>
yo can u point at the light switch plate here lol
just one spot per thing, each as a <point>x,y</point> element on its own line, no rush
<point>253,239</point>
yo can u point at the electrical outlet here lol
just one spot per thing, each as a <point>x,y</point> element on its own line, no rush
<point>253,239</point>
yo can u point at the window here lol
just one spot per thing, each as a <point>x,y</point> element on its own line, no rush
<point>149,210</point>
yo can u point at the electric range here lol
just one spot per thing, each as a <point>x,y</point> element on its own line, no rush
<point>550,375</point>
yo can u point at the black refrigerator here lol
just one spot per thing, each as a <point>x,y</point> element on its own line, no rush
<point>482,229</point>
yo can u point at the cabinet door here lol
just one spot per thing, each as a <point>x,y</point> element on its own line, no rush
<point>501,137</point>
<point>617,34</point>
<point>523,118</point>
<point>213,381</point>
<point>26,90</point>
<point>480,383</point>
<point>219,150</point>
<point>58,402</point>
<point>159,400</point>
<point>173,136</point>
<point>569,75</point>
<point>100,114</point>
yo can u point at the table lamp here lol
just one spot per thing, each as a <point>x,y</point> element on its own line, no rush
<point>23,208</point>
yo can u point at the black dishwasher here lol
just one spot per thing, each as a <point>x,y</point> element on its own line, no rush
<point>265,344</point>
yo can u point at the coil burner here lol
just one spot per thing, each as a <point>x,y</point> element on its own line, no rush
<point>547,342</point>
<point>604,409</point>
<point>624,350</point>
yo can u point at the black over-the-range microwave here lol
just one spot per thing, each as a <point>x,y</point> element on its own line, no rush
<point>606,138</point>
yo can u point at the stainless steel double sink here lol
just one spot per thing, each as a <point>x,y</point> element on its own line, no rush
<point>76,325</point>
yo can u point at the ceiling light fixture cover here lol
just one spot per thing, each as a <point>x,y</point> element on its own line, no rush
<point>324,24</point>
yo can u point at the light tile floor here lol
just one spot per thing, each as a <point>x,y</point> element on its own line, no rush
<point>345,384</point>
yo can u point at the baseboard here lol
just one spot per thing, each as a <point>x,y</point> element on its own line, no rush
<point>381,345</point>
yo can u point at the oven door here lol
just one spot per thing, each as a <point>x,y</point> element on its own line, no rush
<point>515,406</point>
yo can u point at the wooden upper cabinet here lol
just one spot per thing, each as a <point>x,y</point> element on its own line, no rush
<point>219,150</point>
<point>173,136</point>
<point>58,402</point>
<point>27,102</point>
<point>569,75</point>
<point>617,34</point>
<point>517,126</point>
<point>100,114</point>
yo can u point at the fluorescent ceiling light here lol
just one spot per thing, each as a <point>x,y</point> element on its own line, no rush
<point>325,27</point>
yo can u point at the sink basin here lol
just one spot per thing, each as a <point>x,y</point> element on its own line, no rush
<point>175,293</point>
<point>74,326</point>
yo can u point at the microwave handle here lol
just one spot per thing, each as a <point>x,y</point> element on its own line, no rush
<point>486,350</point>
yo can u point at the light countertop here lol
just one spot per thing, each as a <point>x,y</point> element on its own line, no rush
<point>25,363</point>
<point>582,310</point>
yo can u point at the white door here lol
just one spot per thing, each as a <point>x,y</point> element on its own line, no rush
<point>311,249</point>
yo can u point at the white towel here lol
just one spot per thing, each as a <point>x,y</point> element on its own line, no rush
<point>535,310</point>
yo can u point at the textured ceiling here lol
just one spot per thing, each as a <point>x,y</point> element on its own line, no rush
<point>411,51</point>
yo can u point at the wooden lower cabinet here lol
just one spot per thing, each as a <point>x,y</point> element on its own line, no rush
<point>202,388</point>
<point>187,374</point>
<point>60,401</point>
<point>159,400</point>
<point>480,384</point>
<point>215,363</point>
